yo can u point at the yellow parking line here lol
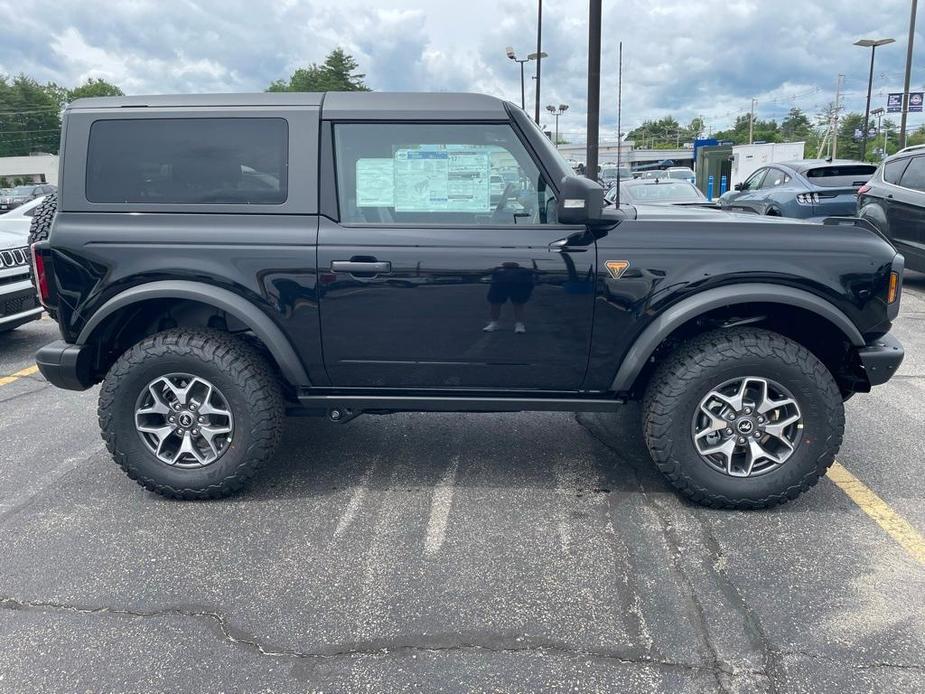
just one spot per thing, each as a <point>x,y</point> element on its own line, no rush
<point>895,525</point>
<point>28,371</point>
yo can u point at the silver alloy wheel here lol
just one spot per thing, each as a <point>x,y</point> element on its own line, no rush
<point>184,420</point>
<point>747,426</point>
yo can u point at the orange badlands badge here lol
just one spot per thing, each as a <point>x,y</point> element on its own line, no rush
<point>616,268</point>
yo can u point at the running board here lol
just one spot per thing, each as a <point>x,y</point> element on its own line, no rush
<point>418,403</point>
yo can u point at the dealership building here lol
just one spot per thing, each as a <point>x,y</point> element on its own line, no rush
<point>37,168</point>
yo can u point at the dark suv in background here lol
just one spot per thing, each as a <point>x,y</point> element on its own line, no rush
<point>894,202</point>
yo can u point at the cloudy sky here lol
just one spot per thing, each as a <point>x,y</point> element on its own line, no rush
<point>681,57</point>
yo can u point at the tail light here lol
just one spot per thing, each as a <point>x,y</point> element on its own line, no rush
<point>864,189</point>
<point>41,275</point>
<point>807,198</point>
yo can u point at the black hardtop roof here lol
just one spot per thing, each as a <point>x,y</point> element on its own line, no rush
<point>336,105</point>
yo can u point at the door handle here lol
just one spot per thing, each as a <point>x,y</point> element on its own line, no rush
<point>361,267</point>
<point>561,246</point>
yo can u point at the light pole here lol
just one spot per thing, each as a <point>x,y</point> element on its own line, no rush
<point>539,55</point>
<point>902,127</point>
<point>513,56</point>
<point>872,44</point>
<point>557,112</point>
<point>532,56</point>
<point>879,113</point>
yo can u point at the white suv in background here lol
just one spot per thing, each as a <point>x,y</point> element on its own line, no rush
<point>18,301</point>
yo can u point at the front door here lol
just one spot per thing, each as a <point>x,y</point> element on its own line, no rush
<point>444,270</point>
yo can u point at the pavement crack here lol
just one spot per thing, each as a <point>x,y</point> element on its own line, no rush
<point>396,646</point>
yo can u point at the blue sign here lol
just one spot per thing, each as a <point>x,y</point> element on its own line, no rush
<point>915,101</point>
<point>894,102</point>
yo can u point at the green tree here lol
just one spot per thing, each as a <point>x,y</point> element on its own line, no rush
<point>338,73</point>
<point>763,131</point>
<point>796,126</point>
<point>29,117</point>
<point>94,87</point>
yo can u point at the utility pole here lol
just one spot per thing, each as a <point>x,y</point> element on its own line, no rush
<point>539,56</point>
<point>835,114</point>
<point>619,121</point>
<point>902,126</point>
<point>751,123</point>
<point>594,86</point>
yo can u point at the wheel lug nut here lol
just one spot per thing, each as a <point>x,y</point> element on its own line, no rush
<point>757,434</point>
<point>741,439</point>
<point>202,419</point>
<point>195,432</point>
<point>171,419</point>
<point>748,410</point>
<point>728,431</point>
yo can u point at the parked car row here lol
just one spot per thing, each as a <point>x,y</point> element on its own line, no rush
<point>18,301</point>
<point>11,198</point>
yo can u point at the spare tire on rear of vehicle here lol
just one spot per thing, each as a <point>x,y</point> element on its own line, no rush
<point>40,227</point>
<point>42,219</point>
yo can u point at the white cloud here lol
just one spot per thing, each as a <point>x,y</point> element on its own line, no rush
<point>708,57</point>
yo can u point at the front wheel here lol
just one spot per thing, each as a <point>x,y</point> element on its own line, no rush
<point>191,414</point>
<point>743,418</point>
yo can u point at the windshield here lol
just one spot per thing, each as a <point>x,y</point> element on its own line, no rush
<point>680,173</point>
<point>23,190</point>
<point>661,192</point>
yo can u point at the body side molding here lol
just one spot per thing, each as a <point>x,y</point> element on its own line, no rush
<point>729,295</point>
<point>265,329</point>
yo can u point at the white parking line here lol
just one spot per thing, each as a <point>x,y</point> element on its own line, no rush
<point>356,501</point>
<point>440,509</point>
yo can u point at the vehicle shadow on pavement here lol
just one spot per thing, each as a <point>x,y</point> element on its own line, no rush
<point>517,450</point>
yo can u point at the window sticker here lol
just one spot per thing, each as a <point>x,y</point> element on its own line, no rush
<point>435,178</point>
<point>375,182</point>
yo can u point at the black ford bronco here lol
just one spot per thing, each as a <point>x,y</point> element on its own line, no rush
<point>220,261</point>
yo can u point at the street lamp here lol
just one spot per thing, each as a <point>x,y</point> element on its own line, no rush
<point>510,54</point>
<point>879,113</point>
<point>872,45</point>
<point>557,112</point>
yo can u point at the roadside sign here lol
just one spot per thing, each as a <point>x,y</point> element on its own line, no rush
<point>894,102</point>
<point>915,101</point>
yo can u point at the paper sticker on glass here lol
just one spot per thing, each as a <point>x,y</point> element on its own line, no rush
<point>375,182</point>
<point>445,179</point>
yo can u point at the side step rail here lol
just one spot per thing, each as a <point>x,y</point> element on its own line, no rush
<point>464,403</point>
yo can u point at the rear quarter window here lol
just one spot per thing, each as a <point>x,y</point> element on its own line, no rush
<point>893,170</point>
<point>188,161</point>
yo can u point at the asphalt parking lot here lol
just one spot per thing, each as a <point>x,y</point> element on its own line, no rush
<point>431,552</point>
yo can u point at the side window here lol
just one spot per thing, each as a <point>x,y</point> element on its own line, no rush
<point>774,178</point>
<point>189,161</point>
<point>893,170</point>
<point>914,176</point>
<point>753,182</point>
<point>471,174</point>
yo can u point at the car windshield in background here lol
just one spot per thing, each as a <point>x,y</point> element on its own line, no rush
<point>682,174</point>
<point>841,176</point>
<point>665,191</point>
<point>23,190</point>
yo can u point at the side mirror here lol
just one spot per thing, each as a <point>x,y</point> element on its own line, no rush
<point>581,201</point>
<point>739,186</point>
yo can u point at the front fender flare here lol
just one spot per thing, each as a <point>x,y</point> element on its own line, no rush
<point>222,299</point>
<point>729,295</point>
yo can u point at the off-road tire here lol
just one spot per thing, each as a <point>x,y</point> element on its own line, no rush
<point>40,227</point>
<point>693,369</point>
<point>243,376</point>
<point>44,215</point>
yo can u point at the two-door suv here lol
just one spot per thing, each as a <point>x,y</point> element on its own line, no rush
<point>220,261</point>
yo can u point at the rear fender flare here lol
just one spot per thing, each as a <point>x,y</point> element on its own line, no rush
<point>729,295</point>
<point>263,327</point>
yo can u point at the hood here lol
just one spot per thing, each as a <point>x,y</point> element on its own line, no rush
<point>11,238</point>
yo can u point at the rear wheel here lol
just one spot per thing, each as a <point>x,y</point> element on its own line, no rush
<point>743,418</point>
<point>191,414</point>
